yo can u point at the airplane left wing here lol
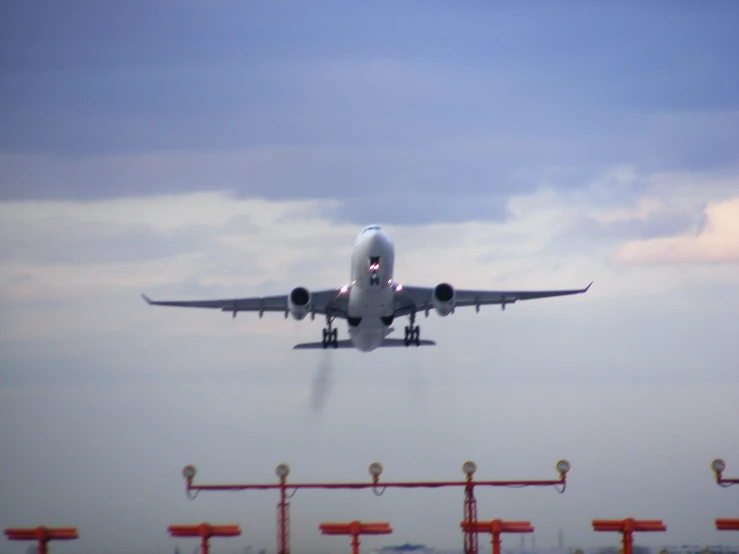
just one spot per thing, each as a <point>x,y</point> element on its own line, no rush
<point>332,302</point>
<point>421,299</point>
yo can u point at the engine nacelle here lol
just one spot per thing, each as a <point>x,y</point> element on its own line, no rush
<point>299,302</point>
<point>444,299</point>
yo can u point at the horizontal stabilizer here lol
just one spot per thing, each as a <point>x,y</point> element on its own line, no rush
<point>401,342</point>
<point>348,344</point>
<point>319,345</point>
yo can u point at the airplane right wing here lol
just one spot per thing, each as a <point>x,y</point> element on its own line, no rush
<point>413,299</point>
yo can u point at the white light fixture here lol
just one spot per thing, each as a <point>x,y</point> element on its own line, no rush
<point>188,472</point>
<point>282,471</point>
<point>375,469</point>
<point>469,468</point>
<point>718,465</point>
<point>563,466</point>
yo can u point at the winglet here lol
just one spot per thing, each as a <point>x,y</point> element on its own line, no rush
<point>588,287</point>
<point>146,298</point>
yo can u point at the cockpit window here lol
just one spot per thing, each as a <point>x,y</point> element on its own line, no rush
<point>371,228</point>
<point>374,267</point>
<point>374,264</point>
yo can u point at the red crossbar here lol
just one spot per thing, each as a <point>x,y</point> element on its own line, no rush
<point>727,524</point>
<point>629,524</point>
<point>355,528</point>
<point>627,527</point>
<point>204,530</point>
<point>499,526</point>
<point>42,534</point>
<point>495,528</point>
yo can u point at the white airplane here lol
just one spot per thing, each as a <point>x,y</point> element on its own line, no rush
<point>371,302</point>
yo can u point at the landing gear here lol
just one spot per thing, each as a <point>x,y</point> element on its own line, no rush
<point>412,332</point>
<point>330,335</point>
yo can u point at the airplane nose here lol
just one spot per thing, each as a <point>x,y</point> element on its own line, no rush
<point>378,240</point>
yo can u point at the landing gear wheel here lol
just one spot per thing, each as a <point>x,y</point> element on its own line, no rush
<point>330,335</point>
<point>412,335</point>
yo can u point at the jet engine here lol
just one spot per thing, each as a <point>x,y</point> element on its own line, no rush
<point>299,302</point>
<point>444,299</point>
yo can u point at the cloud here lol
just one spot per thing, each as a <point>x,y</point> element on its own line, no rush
<point>81,350</point>
<point>648,217</point>
<point>405,184</point>
<point>717,242</point>
<point>59,243</point>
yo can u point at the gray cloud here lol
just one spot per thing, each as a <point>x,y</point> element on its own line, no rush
<point>658,224</point>
<point>410,208</point>
<point>280,114</point>
<point>69,242</point>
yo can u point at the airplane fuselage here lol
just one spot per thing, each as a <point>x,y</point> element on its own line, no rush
<point>372,289</point>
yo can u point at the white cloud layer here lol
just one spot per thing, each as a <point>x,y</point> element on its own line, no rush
<point>641,367</point>
<point>717,242</point>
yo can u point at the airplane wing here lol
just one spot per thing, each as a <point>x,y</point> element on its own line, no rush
<point>325,302</point>
<point>421,299</point>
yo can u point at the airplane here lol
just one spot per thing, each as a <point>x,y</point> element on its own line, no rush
<point>370,302</point>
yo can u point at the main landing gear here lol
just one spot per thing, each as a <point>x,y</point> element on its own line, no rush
<point>330,335</point>
<point>412,332</point>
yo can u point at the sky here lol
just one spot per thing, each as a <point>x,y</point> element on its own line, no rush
<point>193,150</point>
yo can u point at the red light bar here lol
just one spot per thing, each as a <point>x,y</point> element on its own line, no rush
<point>625,525</point>
<point>204,530</point>
<point>727,524</point>
<point>498,526</point>
<point>355,528</point>
<point>42,534</point>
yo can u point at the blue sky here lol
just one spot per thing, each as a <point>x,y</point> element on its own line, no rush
<point>401,97</point>
<point>198,150</point>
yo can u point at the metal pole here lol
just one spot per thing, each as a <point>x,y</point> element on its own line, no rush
<point>470,517</point>
<point>496,542</point>
<point>628,541</point>
<point>204,545</point>
<point>282,547</point>
<point>43,547</point>
<point>355,543</point>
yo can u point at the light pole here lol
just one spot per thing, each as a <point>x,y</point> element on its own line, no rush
<point>496,527</point>
<point>375,470</point>
<point>355,528</point>
<point>205,531</point>
<point>718,466</point>
<point>724,524</point>
<point>627,527</point>
<point>283,512</point>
